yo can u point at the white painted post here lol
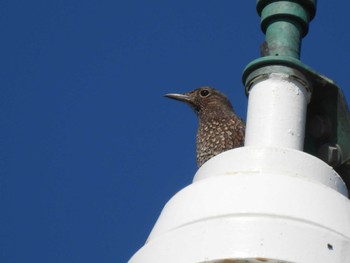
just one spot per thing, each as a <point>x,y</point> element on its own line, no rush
<point>277,112</point>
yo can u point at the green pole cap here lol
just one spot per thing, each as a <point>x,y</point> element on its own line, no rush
<point>309,5</point>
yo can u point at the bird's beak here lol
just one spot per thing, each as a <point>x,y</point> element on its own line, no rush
<point>180,97</point>
<point>186,98</point>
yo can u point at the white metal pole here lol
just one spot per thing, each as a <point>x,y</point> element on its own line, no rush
<point>277,112</point>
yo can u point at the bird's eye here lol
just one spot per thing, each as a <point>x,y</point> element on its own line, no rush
<point>204,93</point>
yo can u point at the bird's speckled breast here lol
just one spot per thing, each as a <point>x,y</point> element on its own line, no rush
<point>218,135</point>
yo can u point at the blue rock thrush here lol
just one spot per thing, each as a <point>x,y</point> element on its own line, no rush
<point>220,129</point>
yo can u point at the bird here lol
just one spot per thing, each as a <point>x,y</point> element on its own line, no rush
<point>219,128</point>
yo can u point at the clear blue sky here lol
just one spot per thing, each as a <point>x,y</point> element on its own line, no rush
<point>90,151</point>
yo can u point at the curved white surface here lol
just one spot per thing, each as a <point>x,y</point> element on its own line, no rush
<point>250,214</point>
<point>274,160</point>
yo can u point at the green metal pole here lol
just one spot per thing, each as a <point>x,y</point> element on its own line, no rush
<point>284,23</point>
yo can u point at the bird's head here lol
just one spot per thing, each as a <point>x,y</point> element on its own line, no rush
<point>204,100</point>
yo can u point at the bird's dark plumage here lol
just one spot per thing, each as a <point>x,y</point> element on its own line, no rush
<point>220,129</point>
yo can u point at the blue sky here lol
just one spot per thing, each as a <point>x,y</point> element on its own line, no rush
<point>90,150</point>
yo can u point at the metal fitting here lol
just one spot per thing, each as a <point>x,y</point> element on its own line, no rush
<point>331,154</point>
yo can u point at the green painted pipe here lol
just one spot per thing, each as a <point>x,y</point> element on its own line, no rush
<point>284,23</point>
